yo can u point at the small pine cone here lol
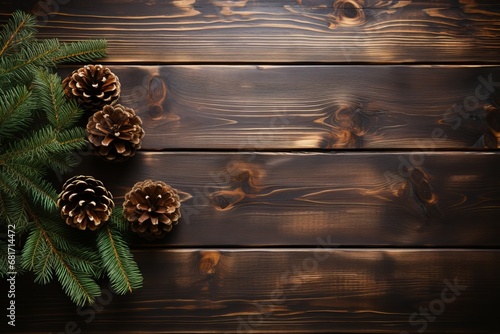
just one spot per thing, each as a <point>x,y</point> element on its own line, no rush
<point>152,207</point>
<point>85,203</point>
<point>115,132</point>
<point>94,86</point>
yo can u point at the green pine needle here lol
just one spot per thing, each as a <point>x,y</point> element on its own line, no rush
<point>18,31</point>
<point>118,261</point>
<point>38,134</point>
<point>81,52</point>
<point>61,112</point>
<point>16,105</point>
<point>44,255</point>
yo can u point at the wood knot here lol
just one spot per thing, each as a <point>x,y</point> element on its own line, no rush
<point>419,195</point>
<point>207,262</point>
<point>245,181</point>
<point>348,124</point>
<point>157,93</point>
<point>347,13</point>
<point>224,200</point>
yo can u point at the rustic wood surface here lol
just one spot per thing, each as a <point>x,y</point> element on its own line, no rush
<point>339,31</point>
<point>314,107</point>
<point>370,199</point>
<point>377,176</point>
<point>287,290</point>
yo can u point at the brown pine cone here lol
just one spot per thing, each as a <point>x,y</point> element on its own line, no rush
<point>94,86</point>
<point>85,203</point>
<point>152,207</point>
<point>115,132</point>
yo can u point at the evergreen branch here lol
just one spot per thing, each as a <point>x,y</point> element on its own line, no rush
<point>37,147</point>
<point>61,112</point>
<point>62,163</point>
<point>118,261</point>
<point>38,54</point>
<point>20,68</point>
<point>71,114</point>
<point>7,187</point>
<point>41,191</point>
<point>31,248</point>
<point>72,138</point>
<point>12,209</point>
<point>27,199</point>
<point>80,263</point>
<point>80,287</point>
<point>48,97</point>
<point>118,223</point>
<point>19,22</point>
<point>44,264</point>
<point>16,106</point>
<point>82,51</point>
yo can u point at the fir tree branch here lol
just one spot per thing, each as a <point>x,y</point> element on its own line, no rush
<point>13,209</point>
<point>118,261</point>
<point>117,221</point>
<point>83,264</point>
<point>26,21</point>
<point>41,191</point>
<point>61,112</point>
<point>78,286</point>
<point>27,199</point>
<point>31,249</point>
<point>43,266</point>
<point>16,107</point>
<point>72,139</point>
<point>38,54</point>
<point>82,51</point>
<point>36,147</point>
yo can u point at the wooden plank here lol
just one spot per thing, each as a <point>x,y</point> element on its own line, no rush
<point>340,31</point>
<point>313,107</point>
<point>318,290</point>
<point>393,198</point>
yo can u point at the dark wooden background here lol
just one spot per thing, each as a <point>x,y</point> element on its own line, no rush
<point>337,159</point>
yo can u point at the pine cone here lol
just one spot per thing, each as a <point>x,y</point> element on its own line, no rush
<point>152,207</point>
<point>94,86</point>
<point>115,132</point>
<point>85,202</point>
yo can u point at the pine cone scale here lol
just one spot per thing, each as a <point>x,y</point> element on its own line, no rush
<point>85,202</point>
<point>115,132</point>
<point>152,208</point>
<point>121,148</point>
<point>93,86</point>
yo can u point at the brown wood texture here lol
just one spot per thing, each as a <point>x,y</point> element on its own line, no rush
<point>339,31</point>
<point>374,189</point>
<point>367,199</point>
<point>318,290</point>
<point>314,107</point>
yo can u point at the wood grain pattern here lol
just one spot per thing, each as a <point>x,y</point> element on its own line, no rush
<point>313,107</point>
<point>318,290</point>
<point>376,124</point>
<point>370,199</point>
<point>340,31</point>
